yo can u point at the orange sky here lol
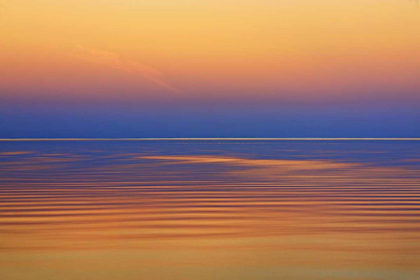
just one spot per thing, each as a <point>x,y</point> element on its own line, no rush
<point>203,50</point>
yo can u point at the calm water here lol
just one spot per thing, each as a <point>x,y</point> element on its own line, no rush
<point>210,210</point>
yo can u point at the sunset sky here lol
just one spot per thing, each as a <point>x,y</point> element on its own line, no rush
<point>209,68</point>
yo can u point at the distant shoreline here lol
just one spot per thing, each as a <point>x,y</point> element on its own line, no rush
<point>206,139</point>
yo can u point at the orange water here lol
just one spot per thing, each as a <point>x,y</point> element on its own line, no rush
<point>243,210</point>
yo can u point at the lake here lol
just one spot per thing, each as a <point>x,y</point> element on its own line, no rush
<point>192,209</point>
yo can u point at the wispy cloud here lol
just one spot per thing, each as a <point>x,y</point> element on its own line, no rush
<point>116,61</point>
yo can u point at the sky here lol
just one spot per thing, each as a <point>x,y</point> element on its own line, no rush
<point>185,68</point>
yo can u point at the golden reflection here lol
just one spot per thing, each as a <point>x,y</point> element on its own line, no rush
<point>258,214</point>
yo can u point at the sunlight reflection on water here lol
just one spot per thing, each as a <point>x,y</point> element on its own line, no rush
<point>188,210</point>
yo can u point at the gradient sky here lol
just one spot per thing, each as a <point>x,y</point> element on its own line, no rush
<point>184,68</point>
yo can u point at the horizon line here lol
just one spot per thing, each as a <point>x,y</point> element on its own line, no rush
<point>208,139</point>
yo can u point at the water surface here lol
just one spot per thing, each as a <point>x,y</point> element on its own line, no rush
<point>210,210</point>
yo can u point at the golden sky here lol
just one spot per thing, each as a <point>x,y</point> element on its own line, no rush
<point>302,50</point>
